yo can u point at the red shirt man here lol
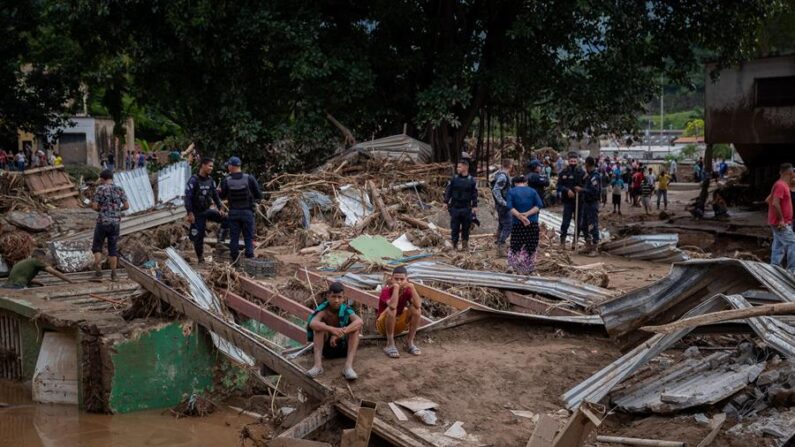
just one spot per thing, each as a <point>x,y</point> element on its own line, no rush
<point>779,216</point>
<point>399,309</point>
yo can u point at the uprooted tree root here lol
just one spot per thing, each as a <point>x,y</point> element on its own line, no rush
<point>16,246</point>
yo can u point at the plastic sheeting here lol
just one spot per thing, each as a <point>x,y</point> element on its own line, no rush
<point>171,182</point>
<point>135,184</point>
<point>354,203</point>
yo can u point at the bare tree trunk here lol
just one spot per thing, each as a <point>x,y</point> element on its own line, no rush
<point>349,139</point>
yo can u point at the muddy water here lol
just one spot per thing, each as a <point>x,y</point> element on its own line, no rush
<point>26,423</point>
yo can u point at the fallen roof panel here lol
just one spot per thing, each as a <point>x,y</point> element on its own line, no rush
<point>566,289</point>
<point>688,284</point>
<point>652,247</point>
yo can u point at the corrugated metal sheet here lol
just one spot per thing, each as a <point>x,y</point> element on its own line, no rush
<point>690,383</point>
<point>397,147</point>
<point>652,247</point>
<point>132,224</point>
<point>554,221</point>
<point>777,334</point>
<point>577,292</point>
<point>171,182</point>
<point>138,189</point>
<point>205,298</point>
<point>689,283</point>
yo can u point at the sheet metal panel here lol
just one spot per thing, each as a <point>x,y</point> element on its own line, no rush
<point>171,182</point>
<point>138,189</point>
<point>207,300</point>
<point>652,247</point>
<point>566,289</point>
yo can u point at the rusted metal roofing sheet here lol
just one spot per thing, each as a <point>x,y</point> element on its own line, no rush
<point>171,182</point>
<point>689,283</point>
<point>650,247</point>
<point>577,292</point>
<point>138,189</point>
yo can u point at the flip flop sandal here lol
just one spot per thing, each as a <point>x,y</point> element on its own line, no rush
<point>413,350</point>
<point>314,372</point>
<point>392,352</point>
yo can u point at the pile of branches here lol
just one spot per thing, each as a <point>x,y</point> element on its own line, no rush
<point>194,405</point>
<point>15,196</point>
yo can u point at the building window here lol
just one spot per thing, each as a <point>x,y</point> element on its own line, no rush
<point>775,92</point>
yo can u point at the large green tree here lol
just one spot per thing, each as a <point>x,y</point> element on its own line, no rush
<point>238,76</point>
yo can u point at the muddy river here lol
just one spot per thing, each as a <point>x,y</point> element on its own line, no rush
<point>23,423</point>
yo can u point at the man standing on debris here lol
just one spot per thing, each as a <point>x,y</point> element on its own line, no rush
<point>672,168</point>
<point>569,179</point>
<point>662,189</point>
<point>200,194</point>
<point>110,200</point>
<point>461,200</point>
<point>399,310</point>
<point>591,194</point>
<point>242,192</point>
<point>333,328</point>
<point>536,178</point>
<point>779,217</point>
<point>502,184</point>
<point>22,274</point>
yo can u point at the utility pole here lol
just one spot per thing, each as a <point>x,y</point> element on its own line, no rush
<point>662,110</point>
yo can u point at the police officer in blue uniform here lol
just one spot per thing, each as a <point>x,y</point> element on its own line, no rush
<point>461,199</point>
<point>591,193</point>
<point>242,192</point>
<point>570,178</point>
<point>537,179</point>
<point>200,195</point>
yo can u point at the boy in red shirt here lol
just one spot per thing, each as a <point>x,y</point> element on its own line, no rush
<point>779,217</point>
<point>399,309</point>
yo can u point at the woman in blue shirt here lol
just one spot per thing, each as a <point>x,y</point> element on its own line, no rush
<point>524,204</point>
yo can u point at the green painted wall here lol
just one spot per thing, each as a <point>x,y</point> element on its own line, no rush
<point>157,368</point>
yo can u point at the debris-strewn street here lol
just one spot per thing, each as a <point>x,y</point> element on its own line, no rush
<point>445,223</point>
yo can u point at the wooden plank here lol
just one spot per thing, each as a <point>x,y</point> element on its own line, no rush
<point>53,189</point>
<point>316,419</point>
<point>544,433</point>
<point>379,203</point>
<point>358,295</point>
<point>291,442</point>
<point>537,306</point>
<point>44,169</point>
<point>399,414</point>
<point>274,298</point>
<point>393,435</point>
<point>229,331</point>
<point>62,196</point>
<point>264,316</point>
<point>364,423</point>
<point>716,423</point>
<point>448,298</point>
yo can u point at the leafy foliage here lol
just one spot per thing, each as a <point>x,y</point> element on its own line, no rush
<point>694,128</point>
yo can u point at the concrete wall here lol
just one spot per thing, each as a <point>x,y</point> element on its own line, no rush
<point>731,112</point>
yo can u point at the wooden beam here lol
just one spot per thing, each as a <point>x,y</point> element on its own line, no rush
<point>53,189</point>
<point>316,419</point>
<point>264,316</point>
<point>229,331</point>
<point>270,296</point>
<point>387,432</point>
<point>544,433</point>
<point>364,423</point>
<point>536,306</point>
<point>724,315</point>
<point>44,169</point>
<point>448,298</point>
<point>61,196</point>
<point>379,203</point>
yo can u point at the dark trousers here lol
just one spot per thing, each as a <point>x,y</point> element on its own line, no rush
<point>460,220</point>
<point>590,222</point>
<point>199,228</point>
<point>568,215</point>
<point>505,223</point>
<point>241,220</point>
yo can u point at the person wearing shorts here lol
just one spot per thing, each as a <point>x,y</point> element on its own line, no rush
<point>109,200</point>
<point>399,310</point>
<point>333,328</point>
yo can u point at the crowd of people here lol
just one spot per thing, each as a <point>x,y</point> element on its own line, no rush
<point>28,159</point>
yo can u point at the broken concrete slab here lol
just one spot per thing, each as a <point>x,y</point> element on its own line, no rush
<point>32,221</point>
<point>72,256</point>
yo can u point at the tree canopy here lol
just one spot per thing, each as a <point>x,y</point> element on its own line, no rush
<point>261,79</point>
